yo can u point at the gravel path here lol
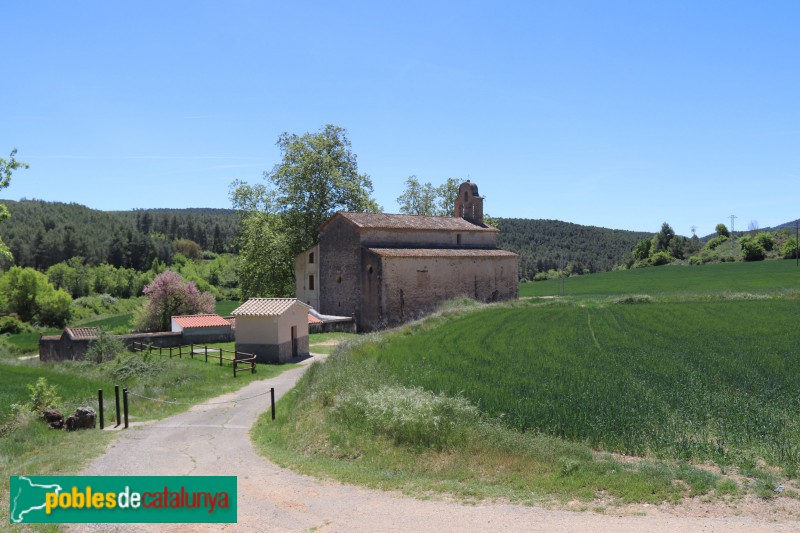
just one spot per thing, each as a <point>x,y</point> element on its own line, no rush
<point>214,440</point>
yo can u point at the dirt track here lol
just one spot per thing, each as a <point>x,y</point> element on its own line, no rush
<point>214,440</point>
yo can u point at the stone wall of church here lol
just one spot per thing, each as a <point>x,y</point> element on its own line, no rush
<point>411,287</point>
<point>339,269</point>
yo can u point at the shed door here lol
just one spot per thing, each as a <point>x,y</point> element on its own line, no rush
<point>294,341</point>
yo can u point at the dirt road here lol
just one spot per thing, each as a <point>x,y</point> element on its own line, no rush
<point>214,440</point>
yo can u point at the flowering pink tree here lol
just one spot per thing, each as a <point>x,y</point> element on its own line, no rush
<point>168,296</point>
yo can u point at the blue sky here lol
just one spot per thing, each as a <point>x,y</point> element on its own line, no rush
<point>614,114</point>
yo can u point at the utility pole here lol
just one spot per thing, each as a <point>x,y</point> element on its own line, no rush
<point>732,217</point>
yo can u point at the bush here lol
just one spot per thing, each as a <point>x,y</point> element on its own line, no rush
<point>130,365</point>
<point>714,243</point>
<point>660,258</point>
<point>752,250</point>
<point>411,416</point>
<point>766,240</point>
<point>10,324</point>
<point>104,348</point>
<point>43,396</point>
<point>789,249</point>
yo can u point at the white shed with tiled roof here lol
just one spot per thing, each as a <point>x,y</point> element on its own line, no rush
<point>274,329</point>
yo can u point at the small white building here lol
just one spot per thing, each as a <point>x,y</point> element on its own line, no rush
<point>274,329</point>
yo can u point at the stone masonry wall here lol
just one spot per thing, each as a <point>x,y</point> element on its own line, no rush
<point>414,286</point>
<point>339,269</point>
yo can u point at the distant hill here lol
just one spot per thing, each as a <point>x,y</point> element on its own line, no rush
<point>41,234</point>
<point>546,244</point>
<point>785,225</point>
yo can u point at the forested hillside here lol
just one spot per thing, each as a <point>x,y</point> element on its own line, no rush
<point>543,245</point>
<point>41,234</point>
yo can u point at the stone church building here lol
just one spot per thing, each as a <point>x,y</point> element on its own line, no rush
<point>384,270</point>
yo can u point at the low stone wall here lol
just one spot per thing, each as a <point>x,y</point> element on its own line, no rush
<point>62,348</point>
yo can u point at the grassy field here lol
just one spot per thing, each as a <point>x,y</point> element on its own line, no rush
<point>675,280</point>
<point>675,365</point>
<point>226,307</point>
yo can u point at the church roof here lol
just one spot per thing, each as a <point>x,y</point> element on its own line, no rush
<point>409,222</point>
<point>440,252</point>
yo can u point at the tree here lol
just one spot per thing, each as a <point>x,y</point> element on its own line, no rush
<point>6,169</point>
<point>168,296</point>
<point>425,199</point>
<point>28,294</point>
<point>317,176</point>
<point>722,230</point>
<point>662,239</point>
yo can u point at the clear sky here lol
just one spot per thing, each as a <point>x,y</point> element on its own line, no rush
<point>607,113</point>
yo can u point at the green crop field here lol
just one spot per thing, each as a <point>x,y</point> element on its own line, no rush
<point>697,380</point>
<point>759,277</point>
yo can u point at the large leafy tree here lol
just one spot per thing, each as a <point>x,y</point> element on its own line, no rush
<point>425,199</point>
<point>317,176</point>
<point>6,169</point>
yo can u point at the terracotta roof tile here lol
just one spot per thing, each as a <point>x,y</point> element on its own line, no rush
<point>200,321</point>
<point>410,222</point>
<point>314,320</point>
<point>83,333</point>
<point>440,252</point>
<point>266,306</point>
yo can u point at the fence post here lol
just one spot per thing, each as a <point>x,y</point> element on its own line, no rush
<point>125,405</point>
<point>220,356</point>
<point>234,365</point>
<point>116,395</point>
<point>206,353</point>
<point>191,350</point>
<point>159,350</point>
<point>272,400</point>
<point>100,405</point>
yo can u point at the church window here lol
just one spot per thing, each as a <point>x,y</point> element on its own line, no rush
<point>311,282</point>
<point>458,239</point>
<point>311,258</point>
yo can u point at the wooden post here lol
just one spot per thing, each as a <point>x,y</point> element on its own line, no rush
<point>191,350</point>
<point>116,395</point>
<point>234,365</point>
<point>206,353</point>
<point>220,356</point>
<point>100,405</point>
<point>125,405</point>
<point>272,401</point>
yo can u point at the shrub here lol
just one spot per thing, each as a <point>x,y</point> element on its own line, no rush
<point>660,258</point>
<point>43,396</point>
<point>789,249</point>
<point>752,250</point>
<point>10,324</point>
<point>766,240</point>
<point>411,416</point>
<point>714,243</point>
<point>104,348</point>
<point>540,276</point>
<point>128,365</point>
